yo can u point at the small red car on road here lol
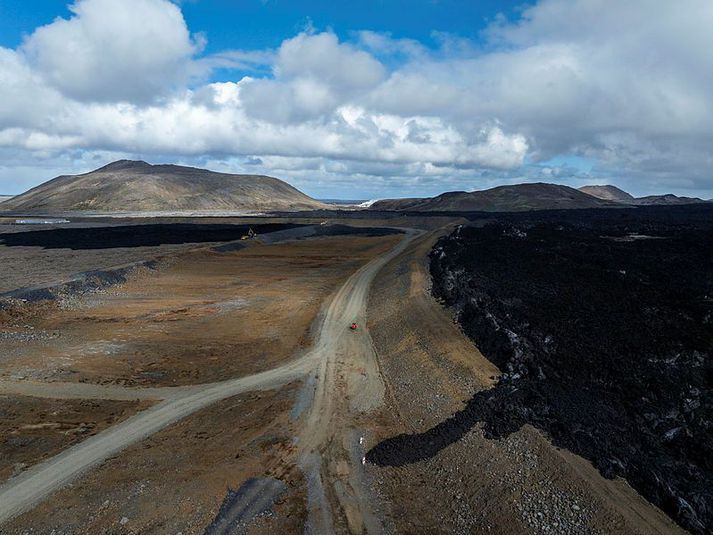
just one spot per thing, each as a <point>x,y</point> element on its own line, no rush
<point>353,326</point>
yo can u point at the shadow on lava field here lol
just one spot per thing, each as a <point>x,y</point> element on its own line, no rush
<point>203,316</point>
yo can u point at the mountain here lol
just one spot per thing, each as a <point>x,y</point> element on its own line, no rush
<point>608,193</point>
<point>516,198</point>
<point>397,204</point>
<point>4,198</point>
<point>669,199</point>
<point>612,193</point>
<point>136,186</point>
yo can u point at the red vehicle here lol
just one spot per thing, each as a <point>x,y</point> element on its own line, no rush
<point>353,326</point>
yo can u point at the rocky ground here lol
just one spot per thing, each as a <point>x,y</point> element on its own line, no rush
<point>476,483</point>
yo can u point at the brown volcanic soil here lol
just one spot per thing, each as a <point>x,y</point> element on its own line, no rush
<point>33,429</point>
<point>518,484</point>
<point>204,317</point>
<point>176,480</point>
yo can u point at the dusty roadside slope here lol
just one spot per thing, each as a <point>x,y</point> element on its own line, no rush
<point>519,484</point>
<point>136,186</point>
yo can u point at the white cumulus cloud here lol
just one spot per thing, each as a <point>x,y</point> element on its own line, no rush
<point>113,50</point>
<point>623,86</point>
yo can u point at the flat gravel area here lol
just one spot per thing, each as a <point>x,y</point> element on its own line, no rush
<point>33,266</point>
<point>32,256</point>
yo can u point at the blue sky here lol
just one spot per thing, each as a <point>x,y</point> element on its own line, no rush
<point>264,24</point>
<point>252,24</point>
<point>363,99</point>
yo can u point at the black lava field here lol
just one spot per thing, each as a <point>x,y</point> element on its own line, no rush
<point>133,235</point>
<point>602,324</point>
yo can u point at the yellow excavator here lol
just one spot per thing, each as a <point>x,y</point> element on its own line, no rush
<point>250,235</point>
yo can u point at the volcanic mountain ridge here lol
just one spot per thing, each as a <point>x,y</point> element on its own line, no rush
<point>137,186</point>
<point>515,198</point>
<point>612,193</point>
<point>526,197</point>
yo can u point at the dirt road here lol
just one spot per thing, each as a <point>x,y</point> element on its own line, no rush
<point>26,490</point>
<point>347,382</point>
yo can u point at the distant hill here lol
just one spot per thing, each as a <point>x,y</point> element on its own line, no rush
<point>612,193</point>
<point>516,198</point>
<point>4,198</point>
<point>608,193</point>
<point>136,186</point>
<point>661,200</point>
<point>397,204</point>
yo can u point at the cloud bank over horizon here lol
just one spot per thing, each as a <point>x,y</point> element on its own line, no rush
<point>571,91</point>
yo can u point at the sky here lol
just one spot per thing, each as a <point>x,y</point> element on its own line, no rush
<point>365,99</point>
